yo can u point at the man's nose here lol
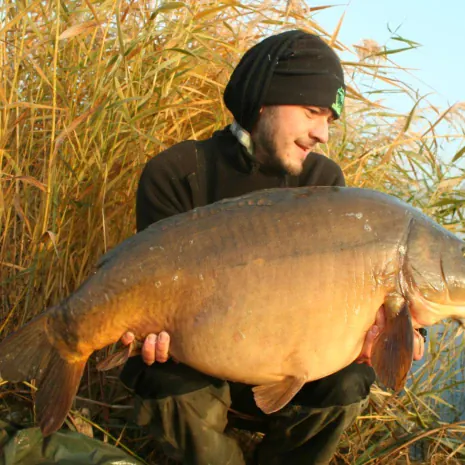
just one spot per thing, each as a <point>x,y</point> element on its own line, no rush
<point>320,130</point>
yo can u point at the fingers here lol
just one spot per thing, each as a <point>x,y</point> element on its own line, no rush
<point>365,354</point>
<point>155,348</point>
<point>148,349</point>
<point>418,346</point>
<point>127,338</point>
<point>372,334</point>
<point>380,318</point>
<point>162,347</point>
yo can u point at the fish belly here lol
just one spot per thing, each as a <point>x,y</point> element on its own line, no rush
<point>262,321</point>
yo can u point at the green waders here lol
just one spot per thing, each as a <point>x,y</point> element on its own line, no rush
<point>188,412</point>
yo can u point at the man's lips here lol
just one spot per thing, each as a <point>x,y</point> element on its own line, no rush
<point>305,148</point>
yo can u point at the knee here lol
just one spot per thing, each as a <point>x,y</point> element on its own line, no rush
<point>190,427</point>
<point>352,384</point>
<point>204,409</point>
<point>347,386</point>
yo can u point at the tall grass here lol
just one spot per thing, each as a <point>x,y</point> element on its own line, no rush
<point>89,91</point>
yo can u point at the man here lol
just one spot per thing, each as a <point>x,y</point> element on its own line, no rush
<point>284,94</point>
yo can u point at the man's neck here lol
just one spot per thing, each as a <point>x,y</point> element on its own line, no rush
<point>257,157</point>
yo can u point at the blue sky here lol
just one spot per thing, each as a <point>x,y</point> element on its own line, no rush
<point>439,26</point>
<point>438,65</point>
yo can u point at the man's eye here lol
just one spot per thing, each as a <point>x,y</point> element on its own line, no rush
<point>313,111</point>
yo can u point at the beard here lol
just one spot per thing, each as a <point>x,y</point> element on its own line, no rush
<point>272,158</point>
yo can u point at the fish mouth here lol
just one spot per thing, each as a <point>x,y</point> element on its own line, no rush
<point>427,312</point>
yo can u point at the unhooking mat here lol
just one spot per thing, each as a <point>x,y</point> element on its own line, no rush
<point>28,447</point>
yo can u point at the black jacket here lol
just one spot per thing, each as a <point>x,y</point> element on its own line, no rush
<point>196,173</point>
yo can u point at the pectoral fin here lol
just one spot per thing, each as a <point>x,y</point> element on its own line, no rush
<point>120,357</point>
<point>392,353</point>
<point>273,397</point>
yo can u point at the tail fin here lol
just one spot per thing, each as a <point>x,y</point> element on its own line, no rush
<point>28,354</point>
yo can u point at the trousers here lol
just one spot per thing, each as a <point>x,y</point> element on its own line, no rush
<point>188,412</point>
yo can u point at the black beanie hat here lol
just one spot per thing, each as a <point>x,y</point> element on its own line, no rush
<point>291,68</point>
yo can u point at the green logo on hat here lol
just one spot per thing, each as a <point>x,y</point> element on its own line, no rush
<point>339,103</point>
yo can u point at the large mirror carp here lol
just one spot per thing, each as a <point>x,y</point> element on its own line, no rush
<point>228,280</point>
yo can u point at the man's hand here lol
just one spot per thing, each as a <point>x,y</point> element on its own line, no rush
<point>372,334</point>
<point>377,329</point>
<point>154,349</point>
<point>418,345</point>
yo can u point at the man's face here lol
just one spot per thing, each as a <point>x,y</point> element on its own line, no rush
<point>285,134</point>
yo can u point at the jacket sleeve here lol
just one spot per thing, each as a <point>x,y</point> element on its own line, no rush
<point>163,190</point>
